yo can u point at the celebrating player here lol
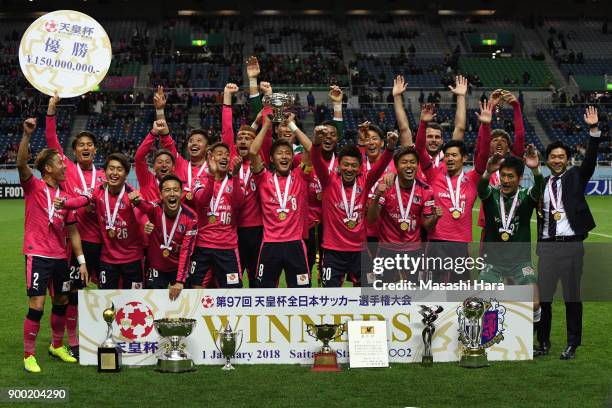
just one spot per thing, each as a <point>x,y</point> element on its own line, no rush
<point>163,162</point>
<point>217,244</point>
<point>401,209</point>
<point>454,189</point>
<point>82,177</point>
<point>282,194</point>
<point>122,248</point>
<point>45,248</point>
<point>344,234</point>
<point>171,243</point>
<point>508,209</point>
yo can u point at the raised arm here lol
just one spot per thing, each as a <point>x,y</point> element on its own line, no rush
<point>460,90</point>
<point>25,172</point>
<point>427,115</point>
<point>518,145</point>
<point>374,210</point>
<point>256,162</point>
<point>484,184</point>
<point>51,125</point>
<point>335,94</point>
<point>159,102</point>
<point>587,168</point>
<point>532,160</point>
<point>381,164</point>
<point>237,194</point>
<point>317,156</point>
<point>227,128</point>
<point>399,87</point>
<point>252,67</point>
<point>484,137</point>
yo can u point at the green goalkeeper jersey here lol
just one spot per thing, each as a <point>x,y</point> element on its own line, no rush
<point>517,248</point>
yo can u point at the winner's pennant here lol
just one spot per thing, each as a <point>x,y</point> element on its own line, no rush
<point>65,51</point>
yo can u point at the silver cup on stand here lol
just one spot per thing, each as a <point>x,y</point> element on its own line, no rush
<point>174,358</point>
<point>470,315</point>
<point>279,102</point>
<point>226,340</point>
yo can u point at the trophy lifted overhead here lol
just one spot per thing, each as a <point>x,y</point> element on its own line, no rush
<point>279,103</point>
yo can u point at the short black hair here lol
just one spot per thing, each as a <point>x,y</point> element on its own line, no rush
<point>330,123</point>
<point>434,125</point>
<point>558,145</point>
<point>82,134</point>
<point>219,144</point>
<point>404,151</point>
<point>164,151</point>
<point>202,132</point>
<point>378,131</point>
<point>278,143</point>
<point>170,177</point>
<point>455,143</point>
<point>350,150</point>
<point>512,162</point>
<point>121,158</point>
<point>43,158</point>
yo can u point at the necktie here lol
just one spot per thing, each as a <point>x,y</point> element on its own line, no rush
<point>552,224</point>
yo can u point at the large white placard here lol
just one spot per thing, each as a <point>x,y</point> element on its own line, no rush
<point>368,344</point>
<point>65,51</point>
<point>274,324</point>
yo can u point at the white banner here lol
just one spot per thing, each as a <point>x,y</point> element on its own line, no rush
<point>274,321</point>
<point>65,51</point>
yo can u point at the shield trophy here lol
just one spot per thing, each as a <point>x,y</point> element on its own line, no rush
<point>470,315</point>
<point>325,359</point>
<point>174,358</point>
<point>227,344</point>
<point>279,102</point>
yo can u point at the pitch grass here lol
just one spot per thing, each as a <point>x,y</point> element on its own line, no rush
<point>548,382</point>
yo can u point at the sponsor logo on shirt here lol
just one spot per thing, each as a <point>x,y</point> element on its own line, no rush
<point>303,279</point>
<point>232,278</point>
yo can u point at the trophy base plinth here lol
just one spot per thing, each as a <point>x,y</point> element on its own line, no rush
<point>228,367</point>
<point>326,362</point>
<point>473,360</point>
<point>109,360</point>
<point>427,361</point>
<point>174,366</point>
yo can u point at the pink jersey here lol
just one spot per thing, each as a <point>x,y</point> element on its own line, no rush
<point>181,243</point>
<point>372,230</point>
<point>449,228</point>
<point>217,226</point>
<point>74,186</point>
<point>341,232</point>
<point>126,245</point>
<point>42,237</point>
<point>392,235</point>
<point>315,192</point>
<point>250,212</point>
<point>283,224</point>
<point>148,183</point>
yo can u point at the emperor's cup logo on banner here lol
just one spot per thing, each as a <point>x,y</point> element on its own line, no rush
<point>65,51</point>
<point>135,320</point>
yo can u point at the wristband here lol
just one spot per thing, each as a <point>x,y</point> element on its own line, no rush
<point>81,259</point>
<point>293,126</point>
<point>253,82</point>
<point>254,125</point>
<point>159,112</point>
<point>337,106</point>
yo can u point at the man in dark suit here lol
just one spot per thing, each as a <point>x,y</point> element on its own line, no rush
<point>564,221</point>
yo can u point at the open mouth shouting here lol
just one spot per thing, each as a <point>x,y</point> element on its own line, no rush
<point>173,202</point>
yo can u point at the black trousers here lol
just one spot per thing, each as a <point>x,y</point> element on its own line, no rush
<point>561,261</point>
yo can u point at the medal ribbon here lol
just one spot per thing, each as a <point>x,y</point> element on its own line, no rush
<point>189,177</point>
<point>282,199</point>
<point>502,209</point>
<point>350,216</point>
<point>455,194</point>
<point>214,203</point>
<point>404,212</point>
<point>50,206</point>
<point>168,239</point>
<point>110,220</point>
<point>84,183</point>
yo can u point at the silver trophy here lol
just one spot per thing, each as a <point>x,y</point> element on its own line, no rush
<point>470,315</point>
<point>227,344</point>
<point>429,317</point>
<point>174,358</point>
<point>278,102</point>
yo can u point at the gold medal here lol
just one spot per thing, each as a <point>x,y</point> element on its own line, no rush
<point>557,216</point>
<point>456,214</point>
<point>319,196</point>
<point>189,195</point>
<point>166,253</point>
<point>212,219</point>
<point>282,216</point>
<point>351,224</point>
<point>404,226</point>
<point>505,236</point>
<point>111,233</point>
